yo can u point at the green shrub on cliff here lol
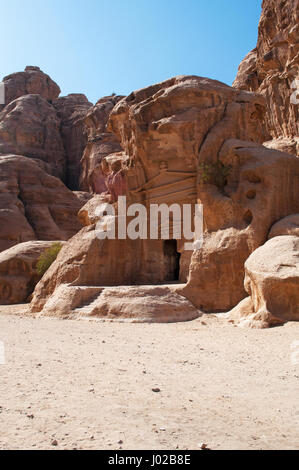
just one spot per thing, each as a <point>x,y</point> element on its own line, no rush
<point>47,258</point>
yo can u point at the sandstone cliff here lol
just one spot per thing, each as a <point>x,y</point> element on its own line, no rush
<point>272,69</point>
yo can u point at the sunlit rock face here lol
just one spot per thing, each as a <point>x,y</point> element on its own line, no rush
<point>272,283</point>
<point>30,82</point>
<point>33,204</point>
<point>272,69</point>
<point>71,111</point>
<point>100,143</point>
<point>29,126</point>
<point>18,274</point>
<point>167,132</point>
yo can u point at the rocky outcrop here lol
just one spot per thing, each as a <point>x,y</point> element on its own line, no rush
<point>29,126</point>
<point>164,123</point>
<point>272,69</point>
<point>166,141</point>
<point>284,144</point>
<point>18,275</point>
<point>72,110</point>
<point>100,144</point>
<point>261,188</point>
<point>286,226</point>
<point>33,204</point>
<point>137,304</point>
<point>30,82</point>
<point>272,282</point>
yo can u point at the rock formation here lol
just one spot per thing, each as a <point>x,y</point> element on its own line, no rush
<point>18,275</point>
<point>179,143</point>
<point>30,82</point>
<point>238,220</point>
<point>29,126</point>
<point>33,204</point>
<point>287,226</point>
<point>72,110</point>
<point>165,141</point>
<point>272,282</point>
<point>100,144</point>
<point>138,304</point>
<point>272,69</point>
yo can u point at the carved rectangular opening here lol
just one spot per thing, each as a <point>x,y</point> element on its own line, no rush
<point>172,260</point>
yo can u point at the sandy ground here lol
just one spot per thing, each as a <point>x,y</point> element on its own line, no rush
<point>89,385</point>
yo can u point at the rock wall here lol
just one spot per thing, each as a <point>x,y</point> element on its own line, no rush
<point>272,283</point>
<point>33,204</point>
<point>72,110</point>
<point>100,144</point>
<point>262,187</point>
<point>272,69</point>
<point>29,126</point>
<point>165,140</point>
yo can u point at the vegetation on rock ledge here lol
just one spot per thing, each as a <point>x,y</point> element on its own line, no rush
<point>47,258</point>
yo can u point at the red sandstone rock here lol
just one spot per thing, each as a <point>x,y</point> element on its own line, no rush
<point>165,139</point>
<point>72,110</point>
<point>287,226</point>
<point>18,275</point>
<point>138,304</point>
<point>272,281</point>
<point>33,204</point>
<point>261,188</point>
<point>100,144</point>
<point>273,66</point>
<point>29,126</point>
<point>30,82</point>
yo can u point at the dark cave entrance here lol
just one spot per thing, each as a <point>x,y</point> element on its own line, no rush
<point>172,260</point>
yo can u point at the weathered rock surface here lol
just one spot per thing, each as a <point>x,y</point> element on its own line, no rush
<point>262,187</point>
<point>30,82</point>
<point>72,110</point>
<point>286,226</point>
<point>142,304</point>
<point>164,122</point>
<point>33,204</point>
<point>284,144</point>
<point>165,140</point>
<point>88,261</point>
<point>272,68</point>
<point>272,281</point>
<point>100,144</point>
<point>18,275</point>
<point>82,196</point>
<point>29,126</point>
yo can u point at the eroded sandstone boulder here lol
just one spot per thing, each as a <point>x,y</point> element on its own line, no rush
<point>286,226</point>
<point>138,304</point>
<point>261,187</point>
<point>183,121</point>
<point>29,126</point>
<point>30,82</point>
<point>72,110</point>
<point>272,68</point>
<point>18,275</point>
<point>272,282</point>
<point>33,204</point>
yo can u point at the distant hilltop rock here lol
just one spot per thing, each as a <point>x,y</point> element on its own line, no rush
<point>31,81</point>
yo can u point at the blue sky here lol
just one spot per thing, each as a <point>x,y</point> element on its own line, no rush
<point>98,47</point>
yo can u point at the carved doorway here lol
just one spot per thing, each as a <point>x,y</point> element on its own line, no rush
<point>172,260</point>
